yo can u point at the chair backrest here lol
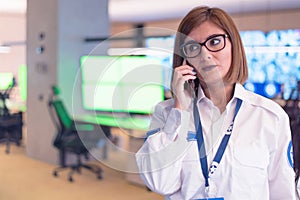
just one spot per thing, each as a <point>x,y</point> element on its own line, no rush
<point>63,116</point>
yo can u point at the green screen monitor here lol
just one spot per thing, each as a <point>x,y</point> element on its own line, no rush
<point>6,80</point>
<point>22,82</point>
<point>132,84</point>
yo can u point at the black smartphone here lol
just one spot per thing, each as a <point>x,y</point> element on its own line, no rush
<point>194,82</point>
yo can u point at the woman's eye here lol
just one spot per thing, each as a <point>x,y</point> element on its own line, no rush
<point>214,42</point>
<point>193,47</point>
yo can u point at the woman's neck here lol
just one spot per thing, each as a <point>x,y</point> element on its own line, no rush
<point>219,93</point>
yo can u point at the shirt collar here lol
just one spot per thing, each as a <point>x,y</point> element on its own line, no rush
<point>239,93</point>
<point>201,94</point>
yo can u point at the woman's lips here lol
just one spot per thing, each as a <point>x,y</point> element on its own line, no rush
<point>208,67</point>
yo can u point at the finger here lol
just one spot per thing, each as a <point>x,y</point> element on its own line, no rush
<point>183,70</point>
<point>185,63</point>
<point>188,77</point>
<point>183,79</point>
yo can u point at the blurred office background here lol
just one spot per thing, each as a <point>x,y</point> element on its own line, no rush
<point>111,60</point>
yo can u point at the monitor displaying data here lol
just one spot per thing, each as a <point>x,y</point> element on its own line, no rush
<point>273,61</point>
<point>6,80</point>
<point>132,84</point>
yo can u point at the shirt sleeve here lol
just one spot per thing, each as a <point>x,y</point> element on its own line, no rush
<point>159,159</point>
<point>281,172</point>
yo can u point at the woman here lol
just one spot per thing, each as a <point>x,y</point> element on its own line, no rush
<point>214,139</point>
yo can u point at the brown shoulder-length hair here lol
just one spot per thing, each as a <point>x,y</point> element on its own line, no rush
<point>238,71</point>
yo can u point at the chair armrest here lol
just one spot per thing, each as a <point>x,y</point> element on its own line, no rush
<point>84,126</point>
<point>79,125</point>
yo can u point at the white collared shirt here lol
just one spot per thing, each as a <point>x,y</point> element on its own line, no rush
<point>255,165</point>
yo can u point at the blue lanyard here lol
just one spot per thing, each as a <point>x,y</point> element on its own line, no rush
<point>201,145</point>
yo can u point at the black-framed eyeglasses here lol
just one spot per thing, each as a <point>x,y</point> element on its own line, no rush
<point>213,43</point>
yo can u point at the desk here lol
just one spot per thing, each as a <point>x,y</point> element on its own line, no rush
<point>11,121</point>
<point>11,129</point>
<point>16,106</point>
<point>115,120</point>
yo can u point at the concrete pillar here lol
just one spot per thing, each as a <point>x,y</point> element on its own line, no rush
<point>56,30</point>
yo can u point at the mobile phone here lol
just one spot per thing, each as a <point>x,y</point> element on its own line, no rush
<point>195,82</point>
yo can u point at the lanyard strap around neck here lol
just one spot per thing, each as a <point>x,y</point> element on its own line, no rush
<point>201,145</point>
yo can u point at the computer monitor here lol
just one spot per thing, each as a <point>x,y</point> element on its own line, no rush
<point>132,84</point>
<point>273,61</point>
<point>6,80</point>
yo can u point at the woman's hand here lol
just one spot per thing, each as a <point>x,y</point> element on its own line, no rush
<point>183,90</point>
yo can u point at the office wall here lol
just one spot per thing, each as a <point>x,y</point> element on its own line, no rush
<point>13,33</point>
<point>266,21</point>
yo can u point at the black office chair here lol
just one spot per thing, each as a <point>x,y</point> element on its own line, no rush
<point>10,123</point>
<point>75,138</point>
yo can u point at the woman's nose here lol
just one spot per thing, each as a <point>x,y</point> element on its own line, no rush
<point>205,54</point>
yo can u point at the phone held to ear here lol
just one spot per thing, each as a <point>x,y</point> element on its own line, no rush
<point>193,83</point>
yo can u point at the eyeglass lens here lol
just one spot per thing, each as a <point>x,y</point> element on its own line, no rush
<point>192,49</point>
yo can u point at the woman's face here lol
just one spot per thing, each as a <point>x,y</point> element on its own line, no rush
<point>210,66</point>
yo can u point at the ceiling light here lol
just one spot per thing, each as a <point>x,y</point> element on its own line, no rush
<point>5,49</point>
